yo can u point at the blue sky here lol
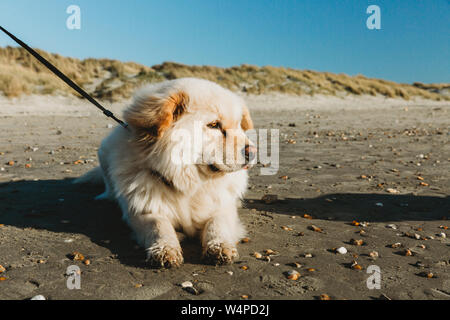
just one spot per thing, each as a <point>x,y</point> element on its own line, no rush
<point>325,35</point>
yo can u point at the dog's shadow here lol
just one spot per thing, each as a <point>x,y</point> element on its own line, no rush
<point>361,207</point>
<point>60,206</point>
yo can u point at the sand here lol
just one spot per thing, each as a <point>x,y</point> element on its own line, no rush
<point>384,163</point>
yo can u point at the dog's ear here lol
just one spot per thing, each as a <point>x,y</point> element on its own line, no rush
<point>246,121</point>
<point>152,115</point>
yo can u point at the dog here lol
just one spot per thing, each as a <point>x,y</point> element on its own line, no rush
<point>161,194</point>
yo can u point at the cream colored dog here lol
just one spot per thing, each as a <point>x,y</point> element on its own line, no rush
<point>164,181</point>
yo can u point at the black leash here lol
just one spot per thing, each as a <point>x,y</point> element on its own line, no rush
<point>64,78</point>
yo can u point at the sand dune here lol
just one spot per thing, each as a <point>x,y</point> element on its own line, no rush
<point>113,80</point>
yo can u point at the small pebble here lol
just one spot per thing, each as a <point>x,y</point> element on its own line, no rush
<point>38,297</point>
<point>293,274</point>
<point>391,190</point>
<point>357,242</point>
<point>77,256</point>
<point>245,240</point>
<point>428,275</point>
<point>257,255</point>
<point>187,284</point>
<point>341,250</point>
<point>364,224</point>
<point>392,226</point>
<point>314,228</point>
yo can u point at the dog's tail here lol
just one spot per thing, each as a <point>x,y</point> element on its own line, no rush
<point>93,176</point>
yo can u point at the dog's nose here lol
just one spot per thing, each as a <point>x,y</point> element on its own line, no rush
<point>250,153</point>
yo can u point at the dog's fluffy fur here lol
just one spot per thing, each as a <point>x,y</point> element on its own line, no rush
<point>158,196</point>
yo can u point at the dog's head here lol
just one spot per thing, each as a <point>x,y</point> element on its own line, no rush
<point>193,123</point>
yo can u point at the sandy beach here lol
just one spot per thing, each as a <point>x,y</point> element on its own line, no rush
<point>365,173</point>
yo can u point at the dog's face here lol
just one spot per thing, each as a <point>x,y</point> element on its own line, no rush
<point>193,121</point>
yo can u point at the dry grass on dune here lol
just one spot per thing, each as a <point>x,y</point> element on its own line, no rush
<point>258,80</point>
<point>20,73</point>
<point>113,80</point>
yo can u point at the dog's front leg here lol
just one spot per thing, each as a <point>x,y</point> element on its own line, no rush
<point>220,235</point>
<point>158,236</point>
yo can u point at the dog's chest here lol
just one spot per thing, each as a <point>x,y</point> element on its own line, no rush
<point>197,208</point>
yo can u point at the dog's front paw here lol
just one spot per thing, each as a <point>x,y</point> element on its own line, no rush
<point>220,253</point>
<point>164,256</point>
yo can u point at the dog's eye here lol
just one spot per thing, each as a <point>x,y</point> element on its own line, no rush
<point>215,125</point>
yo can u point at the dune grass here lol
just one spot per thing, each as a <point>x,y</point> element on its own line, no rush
<point>113,80</point>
